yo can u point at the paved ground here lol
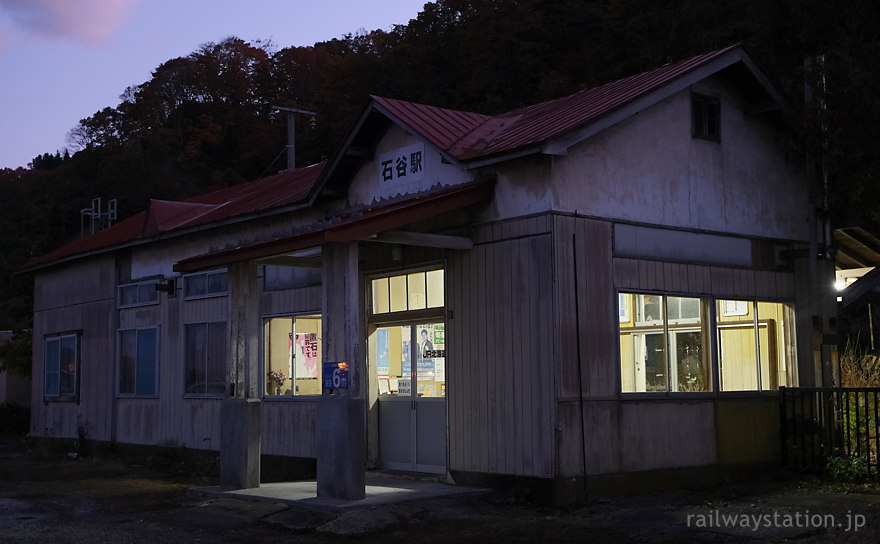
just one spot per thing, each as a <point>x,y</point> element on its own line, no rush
<point>87,500</point>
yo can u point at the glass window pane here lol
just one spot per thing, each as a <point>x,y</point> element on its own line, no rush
<point>649,309</point>
<point>216,349</point>
<point>434,279</point>
<point>391,353</point>
<point>683,310</point>
<point>68,366</point>
<point>195,285</point>
<point>381,304</point>
<point>650,362</point>
<point>146,362</point>
<point>418,299</point>
<point>127,361</point>
<point>307,355</point>
<point>53,361</point>
<point>147,293</point>
<point>216,283</point>
<point>128,295</point>
<point>277,354</point>
<point>431,356</point>
<point>737,351</point>
<point>195,357</point>
<point>290,277</point>
<point>771,343</point>
<point>397,285</point>
<point>690,355</point>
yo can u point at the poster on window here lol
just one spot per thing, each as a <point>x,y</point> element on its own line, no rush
<point>382,359</point>
<point>405,359</point>
<point>306,355</point>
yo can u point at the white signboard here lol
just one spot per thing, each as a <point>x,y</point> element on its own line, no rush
<point>403,165</point>
<point>404,387</point>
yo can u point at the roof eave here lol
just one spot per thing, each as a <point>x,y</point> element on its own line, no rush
<point>561,144</point>
<point>163,236</point>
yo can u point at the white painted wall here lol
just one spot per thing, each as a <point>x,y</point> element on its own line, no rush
<point>367,186</point>
<point>649,169</point>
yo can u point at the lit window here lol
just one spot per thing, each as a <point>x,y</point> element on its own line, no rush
<point>755,345</point>
<point>407,292</point>
<point>292,355</point>
<point>62,366</point>
<point>665,346</point>
<point>205,358</point>
<point>138,359</point>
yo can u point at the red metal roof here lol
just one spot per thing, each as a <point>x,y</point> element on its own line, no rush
<point>163,216</point>
<point>466,135</point>
<point>463,135</point>
<point>442,127</point>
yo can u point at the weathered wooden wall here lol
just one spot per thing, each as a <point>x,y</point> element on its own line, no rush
<point>501,389</point>
<point>76,297</point>
<point>599,430</point>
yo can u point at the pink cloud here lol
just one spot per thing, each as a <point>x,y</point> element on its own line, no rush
<point>87,21</point>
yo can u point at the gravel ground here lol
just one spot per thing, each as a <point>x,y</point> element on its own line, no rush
<point>103,500</point>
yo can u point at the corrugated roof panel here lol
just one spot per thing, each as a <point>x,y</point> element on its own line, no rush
<point>280,190</point>
<point>540,122</point>
<point>442,127</point>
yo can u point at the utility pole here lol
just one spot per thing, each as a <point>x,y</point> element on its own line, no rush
<point>291,133</point>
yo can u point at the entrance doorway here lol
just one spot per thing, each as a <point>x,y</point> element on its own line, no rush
<point>410,363</point>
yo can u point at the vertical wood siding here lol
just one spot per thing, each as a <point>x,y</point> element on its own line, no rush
<point>77,297</point>
<point>289,428</point>
<point>694,279</point>
<point>500,384</point>
<point>585,244</point>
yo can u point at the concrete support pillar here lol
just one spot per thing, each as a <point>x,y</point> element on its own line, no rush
<point>240,443</point>
<point>341,445</point>
<point>240,413</point>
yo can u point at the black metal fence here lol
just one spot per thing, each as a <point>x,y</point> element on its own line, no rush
<point>820,423</point>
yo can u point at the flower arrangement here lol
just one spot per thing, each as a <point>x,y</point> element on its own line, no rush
<point>276,379</point>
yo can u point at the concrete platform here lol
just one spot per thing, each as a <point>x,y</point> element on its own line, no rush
<point>381,488</point>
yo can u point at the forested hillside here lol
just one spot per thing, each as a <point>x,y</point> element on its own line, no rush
<point>204,120</point>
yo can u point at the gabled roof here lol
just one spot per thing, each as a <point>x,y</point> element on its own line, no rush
<point>549,127</point>
<point>468,138</point>
<point>265,196</point>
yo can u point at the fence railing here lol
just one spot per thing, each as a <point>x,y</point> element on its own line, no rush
<point>819,423</point>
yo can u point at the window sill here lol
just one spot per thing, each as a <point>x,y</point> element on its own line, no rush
<point>291,398</point>
<point>202,297</point>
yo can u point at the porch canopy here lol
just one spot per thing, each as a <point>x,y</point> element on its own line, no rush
<point>379,222</point>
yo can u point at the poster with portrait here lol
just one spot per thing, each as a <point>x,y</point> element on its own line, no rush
<point>306,355</point>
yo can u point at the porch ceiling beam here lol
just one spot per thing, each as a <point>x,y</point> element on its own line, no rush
<point>423,239</point>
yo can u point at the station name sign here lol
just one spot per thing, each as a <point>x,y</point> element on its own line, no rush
<point>403,165</point>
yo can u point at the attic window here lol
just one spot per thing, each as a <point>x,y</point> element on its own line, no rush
<point>706,117</point>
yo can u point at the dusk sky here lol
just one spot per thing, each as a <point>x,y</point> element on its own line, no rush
<point>64,60</point>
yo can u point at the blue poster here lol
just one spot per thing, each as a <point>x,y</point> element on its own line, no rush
<point>382,360</point>
<point>405,363</point>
